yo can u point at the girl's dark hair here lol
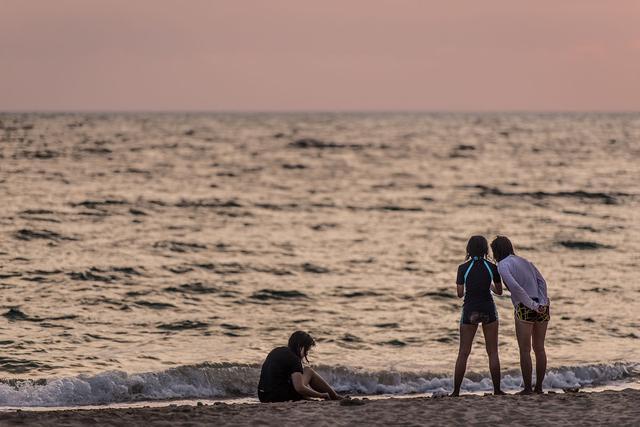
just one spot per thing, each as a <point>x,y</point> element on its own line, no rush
<point>501,247</point>
<point>301,339</point>
<point>477,246</point>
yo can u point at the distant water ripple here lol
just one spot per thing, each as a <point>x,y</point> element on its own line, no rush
<point>139,248</point>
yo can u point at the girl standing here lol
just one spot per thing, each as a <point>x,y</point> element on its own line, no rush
<point>477,277</point>
<point>529,297</point>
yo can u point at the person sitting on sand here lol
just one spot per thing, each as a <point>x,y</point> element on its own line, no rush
<point>476,278</point>
<point>283,378</point>
<point>529,297</point>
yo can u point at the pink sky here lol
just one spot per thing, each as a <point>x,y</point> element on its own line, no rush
<point>273,55</point>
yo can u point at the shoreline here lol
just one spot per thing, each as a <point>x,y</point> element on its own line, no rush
<point>145,404</point>
<point>594,408</point>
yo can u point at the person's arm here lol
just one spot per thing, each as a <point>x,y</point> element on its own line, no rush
<point>496,286</point>
<point>303,390</point>
<point>542,284</point>
<point>515,288</point>
<point>460,282</point>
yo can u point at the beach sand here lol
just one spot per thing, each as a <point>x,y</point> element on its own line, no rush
<point>618,408</point>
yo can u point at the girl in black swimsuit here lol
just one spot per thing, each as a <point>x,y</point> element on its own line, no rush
<point>477,277</point>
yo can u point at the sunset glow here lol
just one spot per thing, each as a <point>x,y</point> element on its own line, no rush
<point>285,55</point>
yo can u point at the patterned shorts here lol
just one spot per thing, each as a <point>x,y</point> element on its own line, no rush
<point>526,314</point>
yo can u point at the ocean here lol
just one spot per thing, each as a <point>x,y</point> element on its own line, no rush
<point>161,256</point>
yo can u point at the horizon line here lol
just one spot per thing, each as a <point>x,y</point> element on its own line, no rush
<point>313,111</point>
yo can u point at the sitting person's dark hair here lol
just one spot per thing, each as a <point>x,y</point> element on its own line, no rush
<point>301,340</point>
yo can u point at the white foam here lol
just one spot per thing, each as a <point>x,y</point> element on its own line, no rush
<point>195,381</point>
<point>407,383</point>
<point>217,381</point>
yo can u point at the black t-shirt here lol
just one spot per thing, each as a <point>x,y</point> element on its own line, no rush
<point>277,368</point>
<point>477,295</point>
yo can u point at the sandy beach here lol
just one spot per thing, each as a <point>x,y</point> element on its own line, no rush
<point>602,408</point>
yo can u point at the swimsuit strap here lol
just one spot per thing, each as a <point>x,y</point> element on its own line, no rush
<point>468,270</point>
<point>486,264</point>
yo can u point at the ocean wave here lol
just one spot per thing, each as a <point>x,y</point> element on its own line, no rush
<point>227,380</point>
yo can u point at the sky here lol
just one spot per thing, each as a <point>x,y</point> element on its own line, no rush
<point>327,55</point>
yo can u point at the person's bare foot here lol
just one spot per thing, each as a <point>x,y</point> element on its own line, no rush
<point>538,391</point>
<point>525,392</point>
<point>499,393</point>
<point>455,394</point>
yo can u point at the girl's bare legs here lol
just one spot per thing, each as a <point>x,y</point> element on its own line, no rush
<point>310,378</point>
<point>524,331</point>
<point>490,332</point>
<point>467,332</point>
<point>539,333</point>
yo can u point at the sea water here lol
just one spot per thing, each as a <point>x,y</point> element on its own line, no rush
<point>161,256</point>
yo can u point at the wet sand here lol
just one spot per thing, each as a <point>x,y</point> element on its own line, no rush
<point>618,408</point>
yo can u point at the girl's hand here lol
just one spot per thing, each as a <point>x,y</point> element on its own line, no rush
<point>542,309</point>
